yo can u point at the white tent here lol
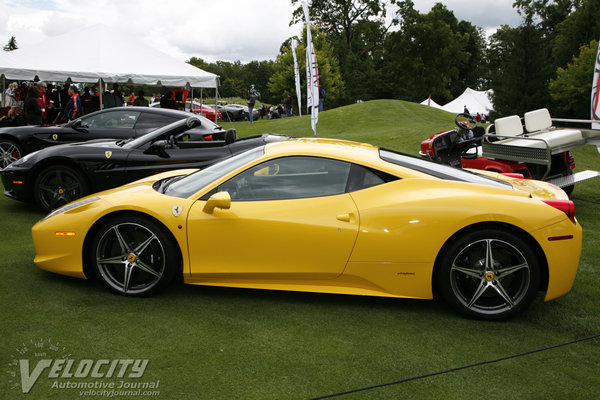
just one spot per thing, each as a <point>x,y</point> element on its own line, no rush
<point>431,103</point>
<point>476,102</point>
<point>98,52</point>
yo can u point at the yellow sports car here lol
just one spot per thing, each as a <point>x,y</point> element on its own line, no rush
<point>321,215</point>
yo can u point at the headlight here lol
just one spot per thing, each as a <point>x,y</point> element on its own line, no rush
<point>24,159</point>
<point>70,206</point>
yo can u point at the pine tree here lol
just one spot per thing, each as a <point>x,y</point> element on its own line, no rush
<point>11,45</point>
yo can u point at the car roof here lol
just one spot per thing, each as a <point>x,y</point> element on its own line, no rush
<point>343,149</point>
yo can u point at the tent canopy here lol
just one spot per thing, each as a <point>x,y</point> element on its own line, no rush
<point>429,102</point>
<point>476,102</point>
<point>98,52</point>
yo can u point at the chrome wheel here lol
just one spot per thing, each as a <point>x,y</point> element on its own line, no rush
<point>491,277</point>
<point>134,258</point>
<point>57,186</point>
<point>9,152</point>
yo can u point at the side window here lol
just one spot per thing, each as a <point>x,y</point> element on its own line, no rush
<point>289,178</point>
<point>111,120</point>
<point>363,177</point>
<point>149,121</point>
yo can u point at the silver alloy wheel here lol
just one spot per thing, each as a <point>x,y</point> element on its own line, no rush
<point>490,276</point>
<point>9,153</point>
<point>130,258</point>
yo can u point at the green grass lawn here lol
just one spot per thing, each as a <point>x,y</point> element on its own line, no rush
<point>219,343</point>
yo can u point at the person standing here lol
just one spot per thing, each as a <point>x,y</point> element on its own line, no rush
<point>251,101</point>
<point>31,107</point>
<point>140,100</point>
<point>288,105</point>
<point>167,101</point>
<point>9,95</point>
<point>321,99</point>
<point>73,109</point>
<point>42,99</point>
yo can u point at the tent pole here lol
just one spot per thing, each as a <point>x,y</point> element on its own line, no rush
<point>216,102</point>
<point>101,92</point>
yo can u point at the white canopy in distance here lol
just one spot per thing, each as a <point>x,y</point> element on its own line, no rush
<point>476,102</point>
<point>97,52</point>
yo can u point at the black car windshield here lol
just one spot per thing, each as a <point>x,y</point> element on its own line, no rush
<point>194,182</point>
<point>439,170</point>
<point>175,128</point>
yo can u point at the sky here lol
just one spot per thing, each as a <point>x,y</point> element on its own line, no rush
<point>214,30</point>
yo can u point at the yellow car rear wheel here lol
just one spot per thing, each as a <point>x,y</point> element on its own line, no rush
<point>489,274</point>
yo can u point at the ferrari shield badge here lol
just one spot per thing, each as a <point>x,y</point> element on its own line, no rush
<point>108,154</point>
<point>176,210</point>
<point>54,136</point>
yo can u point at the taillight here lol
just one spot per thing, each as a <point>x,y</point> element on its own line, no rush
<point>566,206</point>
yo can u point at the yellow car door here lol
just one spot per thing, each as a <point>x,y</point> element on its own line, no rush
<point>287,218</point>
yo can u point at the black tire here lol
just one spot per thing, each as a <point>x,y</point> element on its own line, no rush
<point>10,152</point>
<point>488,274</point>
<point>58,185</point>
<point>134,256</point>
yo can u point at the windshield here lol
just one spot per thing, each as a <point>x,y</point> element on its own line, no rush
<point>439,170</point>
<point>174,128</point>
<point>194,182</point>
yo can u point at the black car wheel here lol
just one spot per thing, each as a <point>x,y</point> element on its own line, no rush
<point>134,256</point>
<point>489,274</point>
<point>57,186</point>
<point>9,152</point>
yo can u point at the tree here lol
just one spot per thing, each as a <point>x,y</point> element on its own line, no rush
<point>432,54</point>
<point>11,45</point>
<point>576,30</point>
<point>520,69</point>
<point>337,17</point>
<point>572,86</point>
<point>236,78</point>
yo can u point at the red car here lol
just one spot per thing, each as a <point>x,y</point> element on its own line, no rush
<point>202,109</point>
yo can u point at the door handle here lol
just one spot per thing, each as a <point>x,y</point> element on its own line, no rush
<point>344,217</point>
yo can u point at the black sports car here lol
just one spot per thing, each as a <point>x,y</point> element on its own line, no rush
<point>114,123</point>
<point>60,174</point>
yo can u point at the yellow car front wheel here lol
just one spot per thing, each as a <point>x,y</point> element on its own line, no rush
<point>134,256</point>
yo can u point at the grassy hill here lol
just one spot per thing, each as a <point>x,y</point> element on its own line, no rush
<point>394,124</point>
<point>220,343</point>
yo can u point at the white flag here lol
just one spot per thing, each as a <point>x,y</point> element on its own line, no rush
<point>312,74</point>
<point>595,106</point>
<point>297,78</point>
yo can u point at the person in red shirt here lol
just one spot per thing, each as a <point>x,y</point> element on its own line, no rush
<point>43,100</point>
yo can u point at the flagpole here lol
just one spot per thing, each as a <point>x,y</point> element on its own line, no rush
<point>297,78</point>
<point>595,97</point>
<point>312,74</point>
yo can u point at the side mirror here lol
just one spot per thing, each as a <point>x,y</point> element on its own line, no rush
<point>77,125</point>
<point>158,149</point>
<point>220,200</point>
